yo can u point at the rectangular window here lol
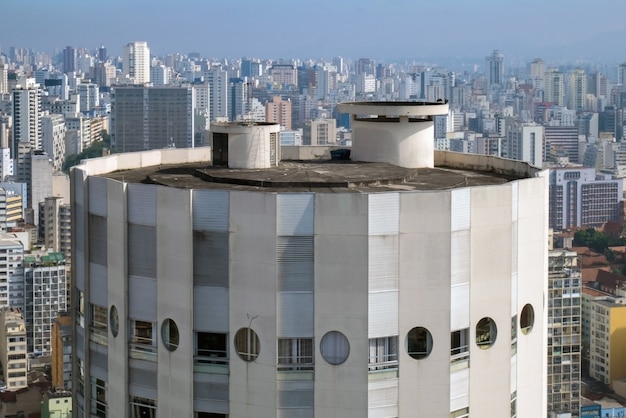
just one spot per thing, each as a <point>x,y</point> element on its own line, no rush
<point>98,397</point>
<point>211,348</point>
<point>142,340</point>
<point>98,325</point>
<point>295,354</point>
<point>459,349</point>
<point>383,353</point>
<point>142,407</point>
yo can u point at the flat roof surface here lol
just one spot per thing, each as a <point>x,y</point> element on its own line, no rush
<point>302,176</point>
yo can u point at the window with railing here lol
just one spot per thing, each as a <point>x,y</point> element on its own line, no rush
<point>98,397</point>
<point>211,348</point>
<point>142,340</point>
<point>142,407</point>
<point>98,325</point>
<point>459,349</point>
<point>295,354</point>
<point>383,353</point>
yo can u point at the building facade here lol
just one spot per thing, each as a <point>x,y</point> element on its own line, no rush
<point>136,62</point>
<point>368,296</point>
<point>579,197</point>
<point>564,333</point>
<point>13,348</point>
<point>144,118</point>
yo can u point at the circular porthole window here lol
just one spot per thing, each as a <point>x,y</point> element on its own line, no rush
<point>419,343</point>
<point>486,333</point>
<point>114,321</point>
<point>527,318</point>
<point>335,347</point>
<point>169,334</point>
<point>247,344</point>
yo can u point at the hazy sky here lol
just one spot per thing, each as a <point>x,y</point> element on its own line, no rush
<point>589,30</point>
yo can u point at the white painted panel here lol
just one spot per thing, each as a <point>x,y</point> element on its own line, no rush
<point>98,195</point>
<point>382,314</point>
<point>142,204</point>
<point>294,394</point>
<point>514,293</point>
<point>294,214</point>
<point>210,309</point>
<point>98,284</point>
<point>383,216</point>
<point>460,257</point>
<point>459,306</point>
<point>460,211</point>
<point>142,297</point>
<point>294,314</point>
<point>383,262</point>
<point>514,199</point>
<point>382,393</point>
<point>210,210</point>
<point>142,391</point>
<point>383,412</point>
<point>514,372</point>
<point>459,389</point>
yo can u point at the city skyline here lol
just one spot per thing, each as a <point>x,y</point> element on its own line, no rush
<point>388,31</point>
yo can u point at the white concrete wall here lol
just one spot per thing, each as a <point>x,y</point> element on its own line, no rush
<point>425,301</point>
<point>174,253</point>
<point>341,302</point>
<point>252,294</point>
<point>404,143</point>
<point>117,295</point>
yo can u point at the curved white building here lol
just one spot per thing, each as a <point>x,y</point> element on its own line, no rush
<point>310,289</point>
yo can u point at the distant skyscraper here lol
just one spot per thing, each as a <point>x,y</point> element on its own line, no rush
<point>279,111</point>
<point>159,75</point>
<point>102,54</point>
<point>236,98</point>
<point>144,118</point>
<point>136,62</point>
<point>4,77</point>
<point>284,74</point>
<point>495,69</point>
<point>525,142</point>
<point>577,89</point>
<point>621,74</point>
<point>218,85</point>
<point>537,73</point>
<point>554,87</point>
<point>26,114</point>
<point>69,59</point>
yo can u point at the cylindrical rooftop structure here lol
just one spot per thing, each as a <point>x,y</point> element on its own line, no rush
<point>250,145</point>
<point>398,133</point>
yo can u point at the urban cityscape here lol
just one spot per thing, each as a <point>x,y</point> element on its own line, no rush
<point>381,235</point>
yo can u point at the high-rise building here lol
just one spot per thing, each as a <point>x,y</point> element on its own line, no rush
<point>144,118</point>
<point>218,87</point>
<point>237,98</point>
<point>563,139</point>
<point>564,333</point>
<point>537,73</point>
<point>495,69</point>
<point>53,138</point>
<point>621,74</point>
<point>525,142</point>
<point>320,132</point>
<point>608,317</point>
<point>69,59</point>
<point>13,348</point>
<point>89,95</point>
<point>394,284</point>
<point>55,225</point>
<point>284,74</point>
<point>11,209</point>
<point>159,75</point>
<point>136,62</point>
<point>554,87</point>
<point>12,281</point>
<point>45,296</point>
<point>279,111</point>
<point>4,77</point>
<point>580,197</point>
<point>26,114</point>
<point>577,90</point>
